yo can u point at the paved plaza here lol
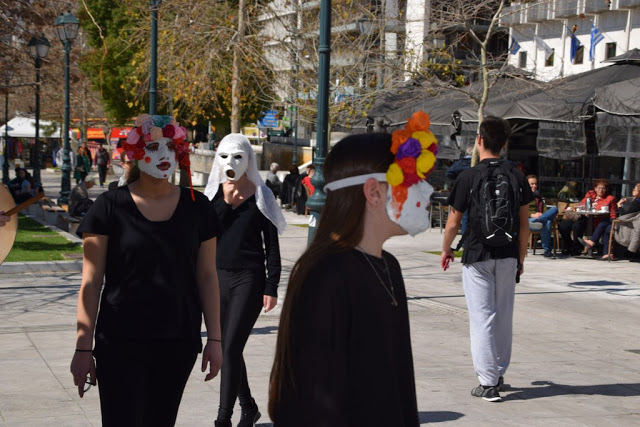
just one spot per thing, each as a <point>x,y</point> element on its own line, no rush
<point>576,358</point>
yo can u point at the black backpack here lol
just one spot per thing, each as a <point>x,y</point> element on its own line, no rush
<point>494,214</point>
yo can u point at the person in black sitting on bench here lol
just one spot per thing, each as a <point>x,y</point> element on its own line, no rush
<point>79,201</point>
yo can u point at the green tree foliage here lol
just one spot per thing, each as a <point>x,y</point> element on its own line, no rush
<point>194,59</point>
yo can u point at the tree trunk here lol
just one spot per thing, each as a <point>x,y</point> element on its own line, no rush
<point>235,79</point>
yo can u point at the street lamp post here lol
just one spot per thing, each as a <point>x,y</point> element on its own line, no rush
<point>67,30</point>
<point>38,49</point>
<point>153,66</point>
<point>5,162</point>
<point>316,202</point>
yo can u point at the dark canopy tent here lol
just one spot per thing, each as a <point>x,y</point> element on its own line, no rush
<point>451,111</point>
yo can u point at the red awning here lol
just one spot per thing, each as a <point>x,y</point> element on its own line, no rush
<point>120,133</point>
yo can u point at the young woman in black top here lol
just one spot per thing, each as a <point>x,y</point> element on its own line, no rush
<point>250,220</point>
<point>154,245</point>
<point>343,355</point>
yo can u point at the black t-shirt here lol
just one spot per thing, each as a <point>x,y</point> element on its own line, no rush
<point>459,198</point>
<point>150,292</point>
<point>352,359</point>
<point>247,238</point>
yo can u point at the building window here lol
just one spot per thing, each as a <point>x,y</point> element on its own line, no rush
<point>522,60</point>
<point>611,50</point>
<point>549,62</point>
<point>579,58</point>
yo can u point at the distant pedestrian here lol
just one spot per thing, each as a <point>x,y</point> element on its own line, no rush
<point>497,196</point>
<point>83,165</point>
<point>343,356</point>
<point>102,161</point>
<point>273,181</point>
<point>248,245</point>
<point>149,265</point>
<point>130,173</point>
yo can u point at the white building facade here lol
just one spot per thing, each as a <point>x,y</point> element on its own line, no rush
<point>543,30</point>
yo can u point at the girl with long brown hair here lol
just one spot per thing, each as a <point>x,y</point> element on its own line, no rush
<point>343,354</point>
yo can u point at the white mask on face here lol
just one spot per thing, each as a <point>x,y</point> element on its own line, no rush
<point>159,159</point>
<point>414,216</point>
<point>233,160</point>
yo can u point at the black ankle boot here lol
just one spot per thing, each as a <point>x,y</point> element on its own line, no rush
<point>250,415</point>
<point>222,423</point>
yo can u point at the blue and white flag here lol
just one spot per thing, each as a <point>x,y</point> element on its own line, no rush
<point>596,37</point>
<point>515,46</point>
<point>575,45</point>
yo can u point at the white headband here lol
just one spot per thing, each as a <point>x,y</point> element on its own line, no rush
<point>354,180</point>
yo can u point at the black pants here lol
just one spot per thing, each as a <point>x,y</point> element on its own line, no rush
<point>241,294</point>
<point>102,173</point>
<point>565,227</point>
<point>143,388</point>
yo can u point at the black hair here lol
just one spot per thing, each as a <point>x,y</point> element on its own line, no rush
<point>494,132</point>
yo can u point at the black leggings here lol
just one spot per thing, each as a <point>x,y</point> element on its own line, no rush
<point>143,388</point>
<point>241,294</point>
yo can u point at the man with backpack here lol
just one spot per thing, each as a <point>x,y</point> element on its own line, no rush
<point>497,196</point>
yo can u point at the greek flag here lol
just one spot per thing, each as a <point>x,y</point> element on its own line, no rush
<point>515,46</point>
<point>596,37</point>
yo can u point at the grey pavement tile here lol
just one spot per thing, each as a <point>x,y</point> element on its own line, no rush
<point>52,421</point>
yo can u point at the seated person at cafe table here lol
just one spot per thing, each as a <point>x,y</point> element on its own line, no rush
<point>599,201</point>
<point>541,217</point>
<point>626,205</point>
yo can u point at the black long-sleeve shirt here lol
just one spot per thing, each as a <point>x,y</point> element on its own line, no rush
<point>351,357</point>
<point>247,238</point>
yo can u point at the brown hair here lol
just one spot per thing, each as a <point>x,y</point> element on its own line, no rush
<point>340,228</point>
<point>532,177</point>
<point>134,170</point>
<point>600,181</point>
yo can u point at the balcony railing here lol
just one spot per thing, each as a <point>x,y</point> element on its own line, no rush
<point>510,16</point>
<point>595,6</point>
<point>628,3</point>
<point>538,12</point>
<point>566,8</point>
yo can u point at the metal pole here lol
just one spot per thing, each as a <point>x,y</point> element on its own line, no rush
<point>65,187</point>
<point>36,157</point>
<point>5,162</point>
<point>154,57</point>
<point>294,159</point>
<point>316,202</point>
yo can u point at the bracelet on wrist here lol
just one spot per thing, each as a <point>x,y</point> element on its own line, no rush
<point>83,351</point>
<point>213,339</point>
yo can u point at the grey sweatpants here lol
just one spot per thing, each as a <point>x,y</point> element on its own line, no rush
<point>489,288</point>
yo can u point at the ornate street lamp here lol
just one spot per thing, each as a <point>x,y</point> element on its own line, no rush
<point>5,163</point>
<point>67,30</point>
<point>153,67</point>
<point>38,49</point>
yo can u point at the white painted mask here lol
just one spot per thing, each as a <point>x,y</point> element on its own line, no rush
<point>414,214</point>
<point>233,160</point>
<point>159,159</point>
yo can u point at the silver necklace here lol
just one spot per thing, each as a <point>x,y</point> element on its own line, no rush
<point>389,290</point>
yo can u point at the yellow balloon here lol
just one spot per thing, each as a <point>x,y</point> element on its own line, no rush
<point>394,175</point>
<point>426,138</point>
<point>425,163</point>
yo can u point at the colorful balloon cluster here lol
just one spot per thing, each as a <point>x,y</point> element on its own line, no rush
<point>415,148</point>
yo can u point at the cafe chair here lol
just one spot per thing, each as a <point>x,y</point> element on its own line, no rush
<point>534,236</point>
